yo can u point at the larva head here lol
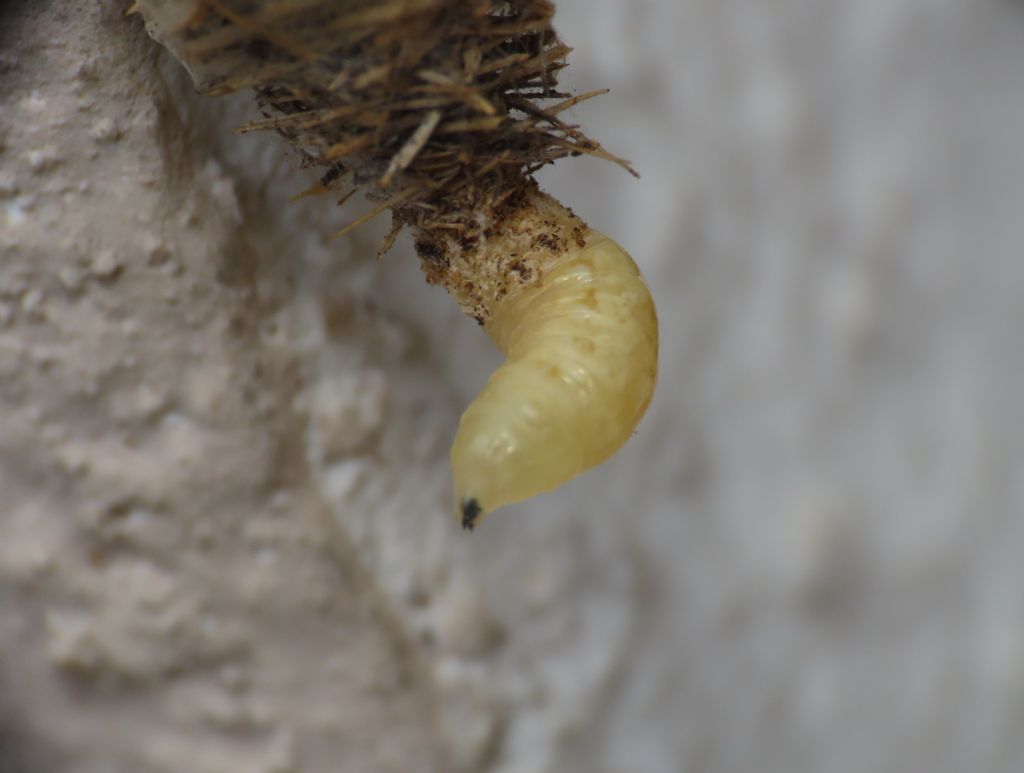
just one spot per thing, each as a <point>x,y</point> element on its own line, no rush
<point>494,456</point>
<point>470,511</point>
<point>484,463</point>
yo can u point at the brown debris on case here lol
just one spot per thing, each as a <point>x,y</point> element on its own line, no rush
<point>524,236</point>
<point>439,110</point>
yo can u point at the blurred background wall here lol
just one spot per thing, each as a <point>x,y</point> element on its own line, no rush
<point>828,496</point>
<point>808,558</point>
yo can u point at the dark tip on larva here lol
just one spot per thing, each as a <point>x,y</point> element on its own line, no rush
<point>471,510</point>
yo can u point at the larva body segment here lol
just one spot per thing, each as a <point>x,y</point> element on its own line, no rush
<point>581,364</point>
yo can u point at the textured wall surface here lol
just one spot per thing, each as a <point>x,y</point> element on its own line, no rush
<point>225,532</point>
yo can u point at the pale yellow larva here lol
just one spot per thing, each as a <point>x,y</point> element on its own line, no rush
<point>581,363</point>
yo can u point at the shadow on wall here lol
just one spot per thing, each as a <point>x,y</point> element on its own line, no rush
<point>20,751</point>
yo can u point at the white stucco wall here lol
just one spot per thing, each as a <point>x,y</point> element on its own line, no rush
<point>226,530</point>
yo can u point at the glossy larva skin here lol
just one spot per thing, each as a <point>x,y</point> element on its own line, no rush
<point>581,363</point>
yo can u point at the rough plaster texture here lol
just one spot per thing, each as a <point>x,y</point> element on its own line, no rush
<point>225,537</point>
<point>174,594</point>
